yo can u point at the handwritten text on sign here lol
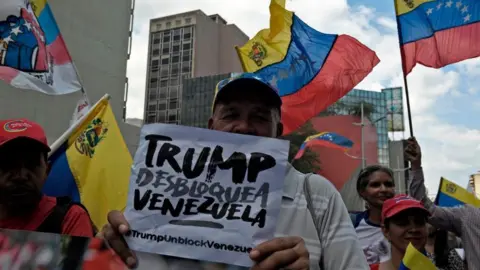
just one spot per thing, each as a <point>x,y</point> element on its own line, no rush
<point>197,192</point>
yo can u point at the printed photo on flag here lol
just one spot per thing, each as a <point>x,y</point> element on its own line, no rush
<point>33,54</point>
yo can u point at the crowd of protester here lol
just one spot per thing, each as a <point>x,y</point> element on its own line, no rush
<point>322,235</point>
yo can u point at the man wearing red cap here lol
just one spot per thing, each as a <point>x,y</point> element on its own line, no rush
<point>23,171</point>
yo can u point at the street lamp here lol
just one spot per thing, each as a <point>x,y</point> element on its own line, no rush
<point>362,124</point>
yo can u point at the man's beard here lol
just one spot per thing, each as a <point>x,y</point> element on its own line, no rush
<point>19,196</point>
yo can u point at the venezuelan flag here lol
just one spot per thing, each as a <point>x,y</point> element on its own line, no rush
<point>438,33</point>
<point>92,164</point>
<point>415,260</point>
<point>327,139</point>
<point>451,195</point>
<point>33,54</point>
<point>311,70</point>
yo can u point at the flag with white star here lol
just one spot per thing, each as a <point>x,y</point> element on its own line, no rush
<point>310,69</point>
<point>33,54</point>
<point>326,139</point>
<point>438,33</point>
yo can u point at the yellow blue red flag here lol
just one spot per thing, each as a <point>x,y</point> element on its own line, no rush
<point>310,69</point>
<point>327,139</point>
<point>451,195</point>
<point>415,260</point>
<point>33,54</point>
<point>92,165</point>
<point>438,33</point>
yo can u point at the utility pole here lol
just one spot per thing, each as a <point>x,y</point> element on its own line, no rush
<point>362,126</point>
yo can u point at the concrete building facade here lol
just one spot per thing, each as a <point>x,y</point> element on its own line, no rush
<point>184,46</point>
<point>98,41</point>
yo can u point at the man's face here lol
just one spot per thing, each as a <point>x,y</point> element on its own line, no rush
<point>247,116</point>
<point>23,171</point>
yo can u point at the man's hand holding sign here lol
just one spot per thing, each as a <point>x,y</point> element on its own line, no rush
<point>198,198</point>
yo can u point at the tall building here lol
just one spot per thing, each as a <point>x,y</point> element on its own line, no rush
<point>98,43</point>
<point>375,108</point>
<point>197,96</point>
<point>183,46</point>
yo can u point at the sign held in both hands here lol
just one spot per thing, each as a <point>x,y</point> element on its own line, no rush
<point>203,194</point>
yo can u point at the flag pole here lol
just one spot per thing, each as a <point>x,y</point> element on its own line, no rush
<point>56,145</point>
<point>407,96</point>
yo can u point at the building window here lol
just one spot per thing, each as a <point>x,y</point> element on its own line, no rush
<point>166,50</point>
<point>187,33</point>
<point>178,22</point>
<point>176,48</point>
<point>156,40</point>
<point>188,20</point>
<point>174,71</point>
<point>161,116</point>
<point>173,95</point>
<point>163,83</point>
<point>185,68</point>
<point>186,46</point>
<point>156,52</point>
<point>172,115</point>
<point>174,81</point>
<point>166,39</point>
<point>163,94</point>
<point>169,24</point>
<point>164,72</point>
<point>162,106</point>
<point>152,95</point>
<point>175,59</point>
<point>186,57</point>
<point>173,104</point>
<point>153,83</point>
<point>165,61</point>
<point>176,38</point>
<point>151,119</point>
<point>152,108</point>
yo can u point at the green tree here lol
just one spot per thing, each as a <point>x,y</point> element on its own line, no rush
<point>309,162</point>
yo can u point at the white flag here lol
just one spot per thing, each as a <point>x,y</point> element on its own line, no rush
<point>82,108</point>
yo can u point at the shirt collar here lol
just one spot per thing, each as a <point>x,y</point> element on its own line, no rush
<point>291,182</point>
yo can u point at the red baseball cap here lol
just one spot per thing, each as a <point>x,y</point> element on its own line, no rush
<point>22,128</point>
<point>400,203</point>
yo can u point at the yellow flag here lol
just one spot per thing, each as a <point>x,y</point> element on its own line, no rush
<point>415,260</point>
<point>100,162</point>
<point>405,6</point>
<point>269,46</point>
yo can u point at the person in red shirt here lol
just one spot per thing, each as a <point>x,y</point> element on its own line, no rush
<point>23,171</point>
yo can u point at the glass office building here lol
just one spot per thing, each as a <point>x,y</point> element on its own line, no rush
<point>197,96</point>
<point>375,109</point>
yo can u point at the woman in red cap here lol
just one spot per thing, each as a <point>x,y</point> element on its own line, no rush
<point>404,221</point>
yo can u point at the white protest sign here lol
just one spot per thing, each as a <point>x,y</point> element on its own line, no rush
<point>203,194</point>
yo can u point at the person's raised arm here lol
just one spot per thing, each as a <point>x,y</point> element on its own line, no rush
<point>449,219</point>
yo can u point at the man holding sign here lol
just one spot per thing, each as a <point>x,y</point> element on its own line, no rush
<point>313,229</point>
